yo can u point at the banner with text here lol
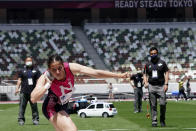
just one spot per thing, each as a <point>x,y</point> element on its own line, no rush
<point>153,3</point>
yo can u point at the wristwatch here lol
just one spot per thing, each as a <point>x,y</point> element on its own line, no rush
<point>166,84</point>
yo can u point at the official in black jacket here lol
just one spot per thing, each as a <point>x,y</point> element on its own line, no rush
<point>156,76</point>
<point>137,83</point>
<point>27,79</point>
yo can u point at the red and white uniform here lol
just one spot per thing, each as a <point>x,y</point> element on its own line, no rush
<point>64,89</point>
<point>59,94</point>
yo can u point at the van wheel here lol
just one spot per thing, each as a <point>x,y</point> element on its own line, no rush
<point>105,115</point>
<point>82,115</point>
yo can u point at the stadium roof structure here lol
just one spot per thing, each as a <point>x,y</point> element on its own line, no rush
<point>53,0</point>
<point>56,3</point>
<point>97,3</point>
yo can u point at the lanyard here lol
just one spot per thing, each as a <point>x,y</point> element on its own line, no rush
<point>29,73</point>
<point>154,67</point>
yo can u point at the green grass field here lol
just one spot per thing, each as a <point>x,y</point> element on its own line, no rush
<point>180,116</point>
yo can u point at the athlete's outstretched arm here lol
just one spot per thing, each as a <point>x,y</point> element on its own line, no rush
<point>39,90</point>
<point>77,68</point>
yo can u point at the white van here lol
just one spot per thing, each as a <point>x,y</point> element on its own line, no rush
<point>98,109</point>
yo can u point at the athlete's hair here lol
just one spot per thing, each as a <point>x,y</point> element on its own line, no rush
<point>153,48</point>
<point>54,58</point>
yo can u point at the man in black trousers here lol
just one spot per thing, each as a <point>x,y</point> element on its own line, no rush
<point>156,76</point>
<point>137,83</point>
<point>188,88</point>
<point>27,79</point>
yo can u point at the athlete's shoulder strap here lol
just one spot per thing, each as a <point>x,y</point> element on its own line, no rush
<point>67,68</point>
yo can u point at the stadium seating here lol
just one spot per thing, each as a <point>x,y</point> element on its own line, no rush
<point>16,44</point>
<point>122,44</point>
<point>122,47</point>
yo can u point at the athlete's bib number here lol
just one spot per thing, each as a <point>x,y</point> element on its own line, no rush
<point>64,98</point>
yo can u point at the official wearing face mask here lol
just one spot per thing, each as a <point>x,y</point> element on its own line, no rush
<point>27,79</point>
<point>137,83</point>
<point>156,76</point>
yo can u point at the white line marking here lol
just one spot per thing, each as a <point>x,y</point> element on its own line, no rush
<point>174,128</point>
<point>115,130</point>
<point>86,130</point>
<point>164,128</point>
<point>161,128</point>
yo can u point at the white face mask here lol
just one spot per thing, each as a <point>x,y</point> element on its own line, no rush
<point>139,71</point>
<point>28,63</point>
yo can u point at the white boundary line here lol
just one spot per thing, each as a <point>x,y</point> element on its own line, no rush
<point>116,130</point>
<point>172,128</point>
<point>86,130</point>
<point>164,128</point>
<point>108,130</point>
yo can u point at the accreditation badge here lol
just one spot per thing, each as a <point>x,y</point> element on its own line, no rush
<point>139,84</point>
<point>154,74</point>
<point>30,81</point>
